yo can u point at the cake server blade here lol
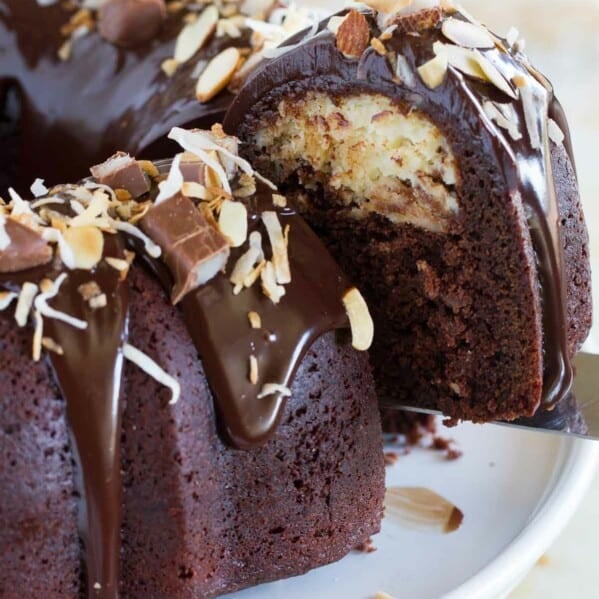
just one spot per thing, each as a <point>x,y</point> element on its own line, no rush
<point>576,415</point>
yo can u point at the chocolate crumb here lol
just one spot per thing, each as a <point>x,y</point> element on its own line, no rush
<point>366,547</point>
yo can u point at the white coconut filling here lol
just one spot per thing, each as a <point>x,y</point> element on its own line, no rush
<point>372,155</point>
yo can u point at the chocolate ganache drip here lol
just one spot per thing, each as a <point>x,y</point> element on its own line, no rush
<point>82,303</point>
<point>485,80</point>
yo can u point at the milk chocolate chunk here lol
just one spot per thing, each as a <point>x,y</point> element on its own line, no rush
<point>193,169</point>
<point>27,249</point>
<point>193,250</point>
<point>129,23</point>
<point>121,171</point>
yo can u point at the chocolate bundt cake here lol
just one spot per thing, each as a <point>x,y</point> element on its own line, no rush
<point>92,82</point>
<point>435,162</point>
<point>152,450</point>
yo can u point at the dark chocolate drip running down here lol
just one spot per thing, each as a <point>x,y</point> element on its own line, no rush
<point>89,370</point>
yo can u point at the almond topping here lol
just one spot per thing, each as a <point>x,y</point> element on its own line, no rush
<point>556,135</point>
<point>389,6</point>
<point>360,320</point>
<point>466,34</point>
<point>89,290</point>
<point>433,72</point>
<point>194,35</point>
<point>279,201</point>
<point>378,46</point>
<point>217,74</point>
<point>233,222</point>
<point>353,35</point>
<point>6,299</point>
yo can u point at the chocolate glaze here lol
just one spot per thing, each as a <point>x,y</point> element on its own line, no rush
<point>317,65</point>
<point>89,373</point>
<point>71,114</point>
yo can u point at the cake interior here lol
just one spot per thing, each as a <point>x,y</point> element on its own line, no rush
<point>400,210</point>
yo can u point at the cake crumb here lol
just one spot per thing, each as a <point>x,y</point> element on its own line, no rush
<point>391,458</point>
<point>366,547</point>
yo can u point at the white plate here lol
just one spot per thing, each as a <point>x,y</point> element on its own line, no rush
<point>517,490</point>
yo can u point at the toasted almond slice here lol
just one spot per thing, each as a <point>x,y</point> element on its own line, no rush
<point>389,6</point>
<point>532,102</point>
<point>24,303</point>
<point>194,35</point>
<point>422,509</point>
<point>195,190</point>
<point>280,258</point>
<point>217,74</point>
<point>493,112</point>
<point>233,222</point>
<point>360,320</point>
<point>148,167</point>
<point>255,320</point>
<point>253,370</point>
<point>494,76</point>
<point>378,46</point>
<point>467,34</point>
<point>461,59</point>
<point>118,264</point>
<point>433,72</point>
<point>152,369</point>
<point>87,245</point>
<point>272,388</point>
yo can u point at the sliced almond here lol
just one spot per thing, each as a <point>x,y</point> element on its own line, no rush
<point>195,190</point>
<point>353,35</point>
<point>360,320</point>
<point>149,168</point>
<point>194,35</point>
<point>233,222</point>
<point>496,115</point>
<point>389,6</point>
<point>433,72</point>
<point>87,245</point>
<point>467,34</point>
<point>217,75</point>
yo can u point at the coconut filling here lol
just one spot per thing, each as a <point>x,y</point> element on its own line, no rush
<point>367,153</point>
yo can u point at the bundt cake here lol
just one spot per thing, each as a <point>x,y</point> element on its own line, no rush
<point>436,164</point>
<point>93,81</point>
<point>132,467</point>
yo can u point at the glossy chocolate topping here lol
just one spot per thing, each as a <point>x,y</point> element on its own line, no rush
<point>72,113</point>
<point>89,370</point>
<point>317,64</point>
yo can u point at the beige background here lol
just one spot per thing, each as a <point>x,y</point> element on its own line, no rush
<point>563,41</point>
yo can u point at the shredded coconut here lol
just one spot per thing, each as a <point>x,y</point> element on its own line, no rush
<point>173,183</point>
<point>152,369</point>
<point>41,305</point>
<point>272,388</point>
<point>38,189</point>
<point>24,303</point>
<point>6,299</point>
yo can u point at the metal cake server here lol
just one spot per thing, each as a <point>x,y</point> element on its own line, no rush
<point>577,414</point>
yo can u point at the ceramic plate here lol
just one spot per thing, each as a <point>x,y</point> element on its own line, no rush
<point>516,489</point>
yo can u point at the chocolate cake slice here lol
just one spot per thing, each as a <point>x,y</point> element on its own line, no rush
<point>183,413</point>
<point>435,163</point>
